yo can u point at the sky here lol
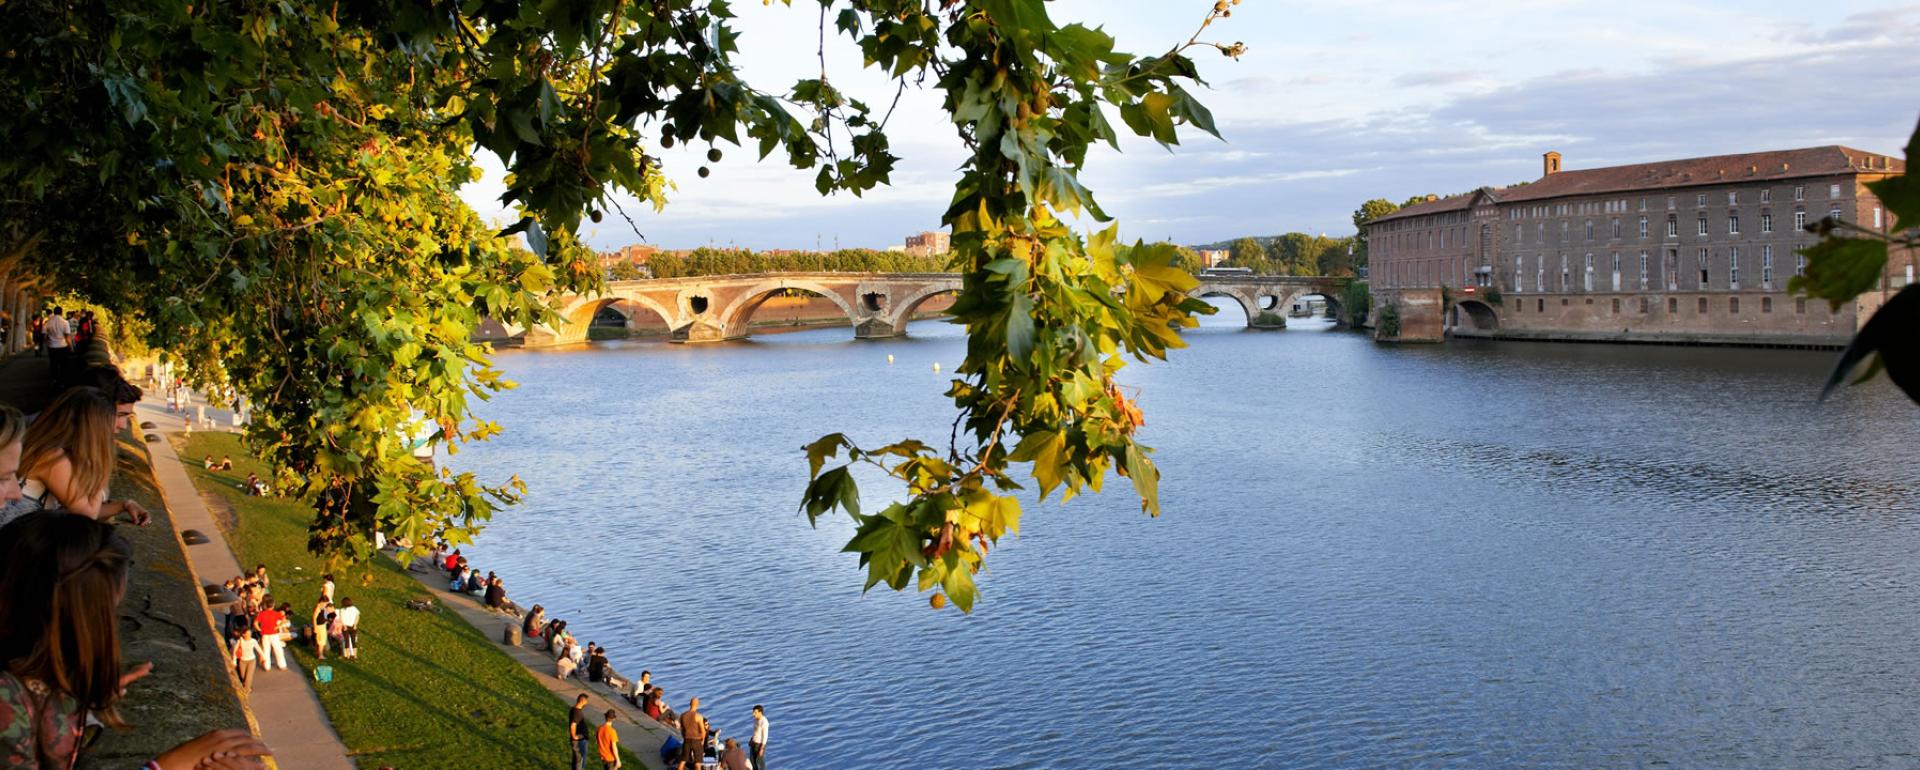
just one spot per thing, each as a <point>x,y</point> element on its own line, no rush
<point>1336,102</point>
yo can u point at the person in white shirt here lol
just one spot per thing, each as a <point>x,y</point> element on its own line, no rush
<point>349,619</point>
<point>246,650</point>
<point>757,745</point>
<point>59,336</point>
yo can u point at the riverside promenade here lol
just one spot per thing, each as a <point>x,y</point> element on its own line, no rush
<point>288,715</point>
<point>639,733</point>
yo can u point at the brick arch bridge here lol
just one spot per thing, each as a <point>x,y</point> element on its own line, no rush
<point>1273,294</point>
<point>714,308</point>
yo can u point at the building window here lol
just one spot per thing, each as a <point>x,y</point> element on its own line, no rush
<point>1643,227</point>
<point>1643,305</point>
<point>1766,267</point>
<point>1800,220</point>
<point>1672,264</point>
<point>1799,264</point>
<point>1706,258</point>
<point>1703,306</point>
<point>1643,269</point>
<point>1540,233</point>
<point>1733,224</point>
<point>1766,304</point>
<point>1643,204</point>
<point>1700,201</point>
<point>1616,271</point>
<point>1673,306</point>
<point>1540,273</point>
<point>1800,306</point>
<point>1733,267</point>
<point>1833,191</point>
<point>1540,306</point>
<point>1800,192</point>
<point>1519,278</point>
<point>1589,230</point>
<point>1733,197</point>
<point>1766,195</point>
<point>1673,226</point>
<point>1834,214</point>
<point>1733,305</point>
<point>1616,305</point>
<point>1766,222</point>
<point>1516,235</point>
<point>1586,276</point>
<point>1876,217</point>
<point>1616,228</point>
<point>1564,224</point>
<point>1703,225</point>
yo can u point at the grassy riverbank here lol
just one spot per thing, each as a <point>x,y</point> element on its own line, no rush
<point>428,691</point>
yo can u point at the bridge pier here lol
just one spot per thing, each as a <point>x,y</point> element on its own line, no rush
<point>701,331</point>
<point>877,329</point>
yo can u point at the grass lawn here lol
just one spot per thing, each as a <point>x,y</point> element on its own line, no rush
<point>428,691</point>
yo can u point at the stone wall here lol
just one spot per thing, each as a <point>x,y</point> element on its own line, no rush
<point>1422,314</point>
<point>1679,317</point>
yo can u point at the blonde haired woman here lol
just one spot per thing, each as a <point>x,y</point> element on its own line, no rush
<point>67,460</point>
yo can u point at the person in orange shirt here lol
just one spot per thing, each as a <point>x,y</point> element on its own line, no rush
<point>608,740</point>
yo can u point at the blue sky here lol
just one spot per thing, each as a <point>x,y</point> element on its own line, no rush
<point>1338,101</point>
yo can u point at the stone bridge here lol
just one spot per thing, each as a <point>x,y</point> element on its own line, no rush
<point>713,308</point>
<point>1273,295</point>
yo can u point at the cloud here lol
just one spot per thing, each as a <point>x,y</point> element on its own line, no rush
<point>1433,78</point>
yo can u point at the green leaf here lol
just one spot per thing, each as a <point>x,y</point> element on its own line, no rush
<point>1890,334</point>
<point>1839,269</point>
<point>825,447</point>
<point>1145,477</point>
<point>957,584</point>
<point>1020,328</point>
<point>536,238</point>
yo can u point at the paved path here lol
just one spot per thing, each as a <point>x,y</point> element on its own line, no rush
<point>639,733</point>
<point>283,704</point>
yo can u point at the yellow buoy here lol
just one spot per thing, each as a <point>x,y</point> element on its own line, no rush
<point>889,359</point>
<point>936,366</point>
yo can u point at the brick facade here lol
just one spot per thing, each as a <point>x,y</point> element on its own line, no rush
<point>1566,250</point>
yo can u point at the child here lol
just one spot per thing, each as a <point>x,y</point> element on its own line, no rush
<point>246,650</point>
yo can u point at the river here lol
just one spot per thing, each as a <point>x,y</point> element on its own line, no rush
<point>1473,555</point>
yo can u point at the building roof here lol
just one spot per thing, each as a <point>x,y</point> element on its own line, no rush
<point>1715,170</point>
<point>1719,169</point>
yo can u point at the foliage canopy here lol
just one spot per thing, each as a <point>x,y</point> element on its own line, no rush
<point>273,187</point>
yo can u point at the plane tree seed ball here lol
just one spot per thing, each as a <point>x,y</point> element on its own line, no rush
<point>714,155</point>
<point>704,172</point>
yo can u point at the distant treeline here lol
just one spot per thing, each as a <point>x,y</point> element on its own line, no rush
<point>1292,254</point>
<point>709,261</point>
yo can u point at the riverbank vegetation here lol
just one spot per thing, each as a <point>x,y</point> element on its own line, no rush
<point>708,261</point>
<point>428,689</point>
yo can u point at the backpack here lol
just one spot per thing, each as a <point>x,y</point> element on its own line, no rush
<point>323,673</point>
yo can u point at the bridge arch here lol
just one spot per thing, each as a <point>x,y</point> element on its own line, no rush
<point>1248,305</point>
<point>1474,314</point>
<point>737,318</point>
<point>633,311</point>
<point>903,310</point>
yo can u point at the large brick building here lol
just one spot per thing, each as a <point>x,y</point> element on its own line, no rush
<point>1683,250</point>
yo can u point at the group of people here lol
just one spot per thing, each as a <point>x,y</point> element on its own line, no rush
<point>258,629</point>
<point>64,571</point>
<point>696,740</point>
<point>59,335</point>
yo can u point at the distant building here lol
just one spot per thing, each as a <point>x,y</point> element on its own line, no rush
<point>928,243</point>
<point>1212,258</point>
<point>1683,250</point>
<point>637,255</point>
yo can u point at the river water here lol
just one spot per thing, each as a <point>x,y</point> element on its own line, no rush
<point>1472,555</point>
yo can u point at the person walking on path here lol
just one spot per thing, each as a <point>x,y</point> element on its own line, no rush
<point>608,741</point>
<point>273,645</point>
<point>693,734</point>
<point>59,345</point>
<point>578,731</point>
<point>246,653</point>
<point>757,745</point>
<point>349,620</point>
